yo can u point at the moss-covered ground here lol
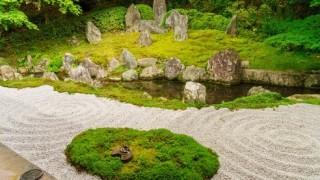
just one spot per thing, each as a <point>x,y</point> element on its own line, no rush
<point>157,154</point>
<point>137,97</point>
<point>197,50</point>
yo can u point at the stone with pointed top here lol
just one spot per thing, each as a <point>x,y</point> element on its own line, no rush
<point>128,59</point>
<point>93,33</point>
<point>133,19</point>
<point>145,38</point>
<point>159,10</point>
<point>232,27</point>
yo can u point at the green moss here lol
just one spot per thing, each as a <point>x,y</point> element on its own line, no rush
<point>158,154</point>
<point>258,101</point>
<point>197,50</point>
<point>117,92</point>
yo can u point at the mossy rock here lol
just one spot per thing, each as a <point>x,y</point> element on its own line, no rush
<point>158,154</point>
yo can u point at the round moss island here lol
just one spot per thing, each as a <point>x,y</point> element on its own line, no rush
<point>157,154</point>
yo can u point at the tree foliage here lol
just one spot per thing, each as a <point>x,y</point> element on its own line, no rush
<point>11,15</point>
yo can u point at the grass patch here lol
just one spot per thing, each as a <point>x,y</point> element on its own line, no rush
<point>197,50</point>
<point>158,154</point>
<point>258,101</point>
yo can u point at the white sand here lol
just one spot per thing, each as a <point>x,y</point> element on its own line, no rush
<point>253,144</point>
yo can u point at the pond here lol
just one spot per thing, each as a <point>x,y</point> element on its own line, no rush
<point>215,93</point>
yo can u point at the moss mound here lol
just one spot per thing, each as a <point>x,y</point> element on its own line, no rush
<point>158,154</point>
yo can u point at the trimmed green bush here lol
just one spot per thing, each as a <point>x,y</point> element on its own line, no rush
<point>158,154</point>
<point>199,20</point>
<point>298,35</point>
<point>146,11</point>
<point>110,20</point>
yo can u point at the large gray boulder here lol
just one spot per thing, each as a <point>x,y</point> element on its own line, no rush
<point>81,74</point>
<point>7,73</point>
<point>93,33</point>
<point>128,59</point>
<point>173,68</point>
<point>152,72</point>
<point>193,73</point>
<point>225,67</point>
<point>146,62</point>
<point>50,75</point>
<point>179,23</point>
<point>232,27</point>
<point>133,19</point>
<point>194,92</point>
<point>257,90</point>
<point>130,75</point>
<point>113,64</point>
<point>67,62</point>
<point>145,38</point>
<point>95,70</point>
<point>152,26</point>
<point>159,10</point>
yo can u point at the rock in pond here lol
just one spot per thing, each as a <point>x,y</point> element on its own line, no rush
<point>194,92</point>
<point>130,75</point>
<point>257,90</point>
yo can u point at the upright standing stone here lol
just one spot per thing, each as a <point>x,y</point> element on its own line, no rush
<point>225,67</point>
<point>159,10</point>
<point>67,62</point>
<point>179,23</point>
<point>145,38</point>
<point>128,59</point>
<point>173,68</point>
<point>194,92</point>
<point>232,27</point>
<point>133,19</point>
<point>93,33</point>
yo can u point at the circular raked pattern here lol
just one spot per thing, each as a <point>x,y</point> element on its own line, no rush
<point>282,143</point>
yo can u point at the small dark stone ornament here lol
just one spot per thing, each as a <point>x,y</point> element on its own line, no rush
<point>124,152</point>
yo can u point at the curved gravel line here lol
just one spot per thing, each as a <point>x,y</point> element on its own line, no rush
<point>283,143</point>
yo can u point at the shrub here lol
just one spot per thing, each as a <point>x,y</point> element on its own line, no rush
<point>55,64</point>
<point>110,20</point>
<point>199,20</point>
<point>295,35</point>
<point>146,11</point>
<point>158,154</point>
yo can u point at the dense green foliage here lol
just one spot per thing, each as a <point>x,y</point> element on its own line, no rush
<point>111,19</point>
<point>262,100</point>
<point>295,35</point>
<point>199,20</point>
<point>146,11</point>
<point>158,154</point>
<point>11,15</point>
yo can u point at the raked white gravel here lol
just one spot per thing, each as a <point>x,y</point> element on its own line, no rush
<point>281,143</point>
